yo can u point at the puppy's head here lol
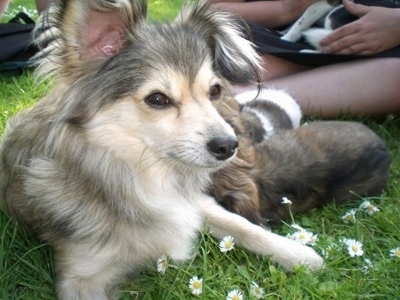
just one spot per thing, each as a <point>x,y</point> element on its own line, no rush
<point>155,85</point>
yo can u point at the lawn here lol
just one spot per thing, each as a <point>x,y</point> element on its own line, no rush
<point>373,272</point>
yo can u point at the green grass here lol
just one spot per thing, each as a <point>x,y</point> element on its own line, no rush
<point>26,270</point>
<point>15,6</point>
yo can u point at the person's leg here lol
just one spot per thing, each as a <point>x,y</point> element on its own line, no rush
<point>3,6</point>
<point>272,13</point>
<point>368,87</point>
<point>257,12</point>
<point>275,67</point>
<point>219,1</point>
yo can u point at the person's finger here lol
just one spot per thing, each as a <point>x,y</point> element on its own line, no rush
<point>356,49</point>
<point>356,9</point>
<point>340,33</point>
<point>349,51</point>
<point>342,44</point>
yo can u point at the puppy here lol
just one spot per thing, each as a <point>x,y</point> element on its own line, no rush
<point>112,166</point>
<point>312,165</point>
<point>332,15</point>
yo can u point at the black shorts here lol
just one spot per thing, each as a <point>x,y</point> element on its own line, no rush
<point>267,41</point>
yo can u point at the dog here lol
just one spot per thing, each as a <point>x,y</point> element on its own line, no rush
<point>312,165</point>
<point>112,167</point>
<point>332,14</point>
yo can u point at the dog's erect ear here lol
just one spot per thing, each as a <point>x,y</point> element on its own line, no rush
<point>96,28</point>
<point>234,56</point>
<point>76,31</point>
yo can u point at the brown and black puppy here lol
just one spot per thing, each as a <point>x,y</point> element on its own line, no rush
<point>312,165</point>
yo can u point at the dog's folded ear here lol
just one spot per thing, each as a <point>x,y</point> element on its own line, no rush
<point>234,55</point>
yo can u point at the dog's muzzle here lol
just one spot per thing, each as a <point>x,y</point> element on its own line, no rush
<point>222,148</point>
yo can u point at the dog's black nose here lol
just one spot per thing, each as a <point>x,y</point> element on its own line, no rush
<point>222,147</point>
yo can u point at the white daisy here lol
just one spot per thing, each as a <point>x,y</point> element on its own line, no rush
<point>367,266</point>
<point>162,264</point>
<point>395,252</point>
<point>354,247</point>
<point>256,291</point>
<point>329,250</point>
<point>285,200</point>
<point>304,237</point>
<point>350,216</point>
<point>234,295</point>
<point>313,239</point>
<point>196,285</point>
<point>369,208</point>
<point>226,244</point>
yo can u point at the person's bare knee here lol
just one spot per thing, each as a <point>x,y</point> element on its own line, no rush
<point>275,67</point>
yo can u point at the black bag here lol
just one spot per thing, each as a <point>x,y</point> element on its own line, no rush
<point>268,41</point>
<point>16,45</point>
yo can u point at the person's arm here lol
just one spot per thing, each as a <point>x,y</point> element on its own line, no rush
<point>273,13</point>
<point>377,30</point>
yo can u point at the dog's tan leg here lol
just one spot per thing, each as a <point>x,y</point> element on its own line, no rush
<point>283,251</point>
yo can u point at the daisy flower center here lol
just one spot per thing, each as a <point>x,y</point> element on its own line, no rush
<point>196,285</point>
<point>228,244</point>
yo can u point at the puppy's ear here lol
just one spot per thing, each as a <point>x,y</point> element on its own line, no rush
<point>234,56</point>
<point>77,31</point>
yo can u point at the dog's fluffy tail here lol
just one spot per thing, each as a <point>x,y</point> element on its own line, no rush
<point>315,35</point>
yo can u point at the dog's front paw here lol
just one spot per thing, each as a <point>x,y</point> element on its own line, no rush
<point>295,254</point>
<point>308,257</point>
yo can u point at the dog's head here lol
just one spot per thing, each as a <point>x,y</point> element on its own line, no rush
<point>157,85</point>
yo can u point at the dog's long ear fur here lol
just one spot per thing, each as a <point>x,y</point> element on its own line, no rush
<point>234,56</point>
<point>79,33</point>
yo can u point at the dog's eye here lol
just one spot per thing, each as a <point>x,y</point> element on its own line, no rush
<point>158,100</point>
<point>215,92</point>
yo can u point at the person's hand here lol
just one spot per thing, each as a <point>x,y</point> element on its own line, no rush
<point>376,30</point>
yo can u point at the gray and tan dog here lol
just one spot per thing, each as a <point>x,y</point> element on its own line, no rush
<point>112,166</point>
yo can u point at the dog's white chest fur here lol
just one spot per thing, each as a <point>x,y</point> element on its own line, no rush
<point>173,225</point>
<point>162,206</point>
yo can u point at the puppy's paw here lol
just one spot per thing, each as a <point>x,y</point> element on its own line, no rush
<point>315,35</point>
<point>292,35</point>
